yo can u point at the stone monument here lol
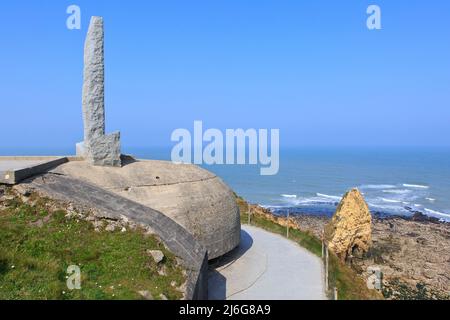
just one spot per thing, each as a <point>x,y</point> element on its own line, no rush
<point>97,148</point>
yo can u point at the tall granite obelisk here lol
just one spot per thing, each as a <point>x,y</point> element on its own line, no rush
<point>97,148</point>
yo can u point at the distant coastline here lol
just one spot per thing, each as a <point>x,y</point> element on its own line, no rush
<point>395,181</point>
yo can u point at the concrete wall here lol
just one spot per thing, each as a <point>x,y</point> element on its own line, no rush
<point>15,169</point>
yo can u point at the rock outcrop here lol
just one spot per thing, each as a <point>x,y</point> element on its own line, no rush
<point>411,254</point>
<point>349,231</point>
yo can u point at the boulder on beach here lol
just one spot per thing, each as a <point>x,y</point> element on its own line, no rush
<point>349,231</point>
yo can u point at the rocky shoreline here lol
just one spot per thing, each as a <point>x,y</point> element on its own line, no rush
<point>412,253</point>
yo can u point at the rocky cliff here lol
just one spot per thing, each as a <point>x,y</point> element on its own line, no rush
<point>349,231</point>
<point>413,255</point>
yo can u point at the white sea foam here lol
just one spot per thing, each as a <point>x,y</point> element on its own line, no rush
<point>328,196</point>
<point>289,195</point>
<point>419,186</point>
<point>310,200</point>
<point>437,213</point>
<point>431,199</point>
<point>298,202</point>
<point>377,186</point>
<point>268,206</point>
<point>390,200</point>
<point>397,191</point>
<point>387,207</point>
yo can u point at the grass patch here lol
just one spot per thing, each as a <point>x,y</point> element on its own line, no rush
<point>350,286</point>
<point>37,246</point>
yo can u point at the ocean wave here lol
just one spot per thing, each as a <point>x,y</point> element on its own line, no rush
<point>289,195</point>
<point>289,202</point>
<point>269,206</point>
<point>377,186</point>
<point>387,208</point>
<point>390,207</point>
<point>397,191</point>
<point>419,186</point>
<point>328,196</point>
<point>430,199</point>
<point>313,200</point>
<point>390,200</point>
<point>437,213</point>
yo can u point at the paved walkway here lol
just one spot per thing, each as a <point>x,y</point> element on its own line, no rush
<point>266,266</point>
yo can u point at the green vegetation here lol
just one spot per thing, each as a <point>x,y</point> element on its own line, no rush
<point>306,240</point>
<point>350,286</point>
<point>37,245</point>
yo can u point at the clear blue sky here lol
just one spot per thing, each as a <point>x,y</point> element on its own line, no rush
<point>310,68</point>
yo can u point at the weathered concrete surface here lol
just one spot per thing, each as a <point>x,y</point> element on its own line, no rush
<point>193,197</point>
<point>97,148</point>
<point>15,169</point>
<point>266,266</point>
<point>7,165</point>
<point>109,205</point>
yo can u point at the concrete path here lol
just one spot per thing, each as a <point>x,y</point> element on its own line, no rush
<point>266,266</point>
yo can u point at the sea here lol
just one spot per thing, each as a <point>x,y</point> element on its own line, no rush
<point>312,180</point>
